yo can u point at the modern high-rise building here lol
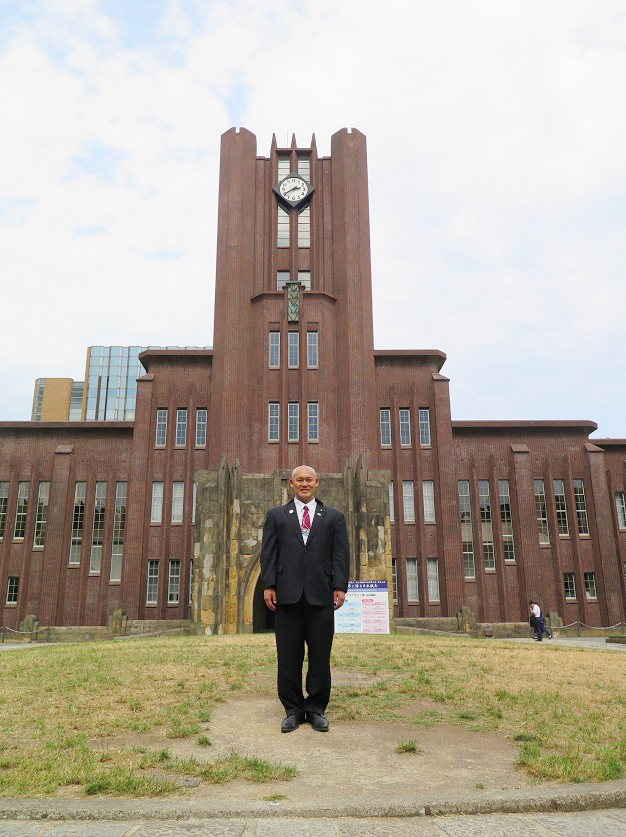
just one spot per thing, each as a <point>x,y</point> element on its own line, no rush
<point>100,514</point>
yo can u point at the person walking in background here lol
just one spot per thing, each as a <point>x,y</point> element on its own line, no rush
<point>536,621</point>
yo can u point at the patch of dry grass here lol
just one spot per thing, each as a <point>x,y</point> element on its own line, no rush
<point>61,705</point>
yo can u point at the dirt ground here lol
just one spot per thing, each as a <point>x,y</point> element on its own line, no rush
<point>355,761</point>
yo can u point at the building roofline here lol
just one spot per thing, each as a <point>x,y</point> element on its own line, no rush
<point>67,425</point>
<point>608,443</point>
<point>527,424</point>
<point>151,355</point>
<point>416,354</point>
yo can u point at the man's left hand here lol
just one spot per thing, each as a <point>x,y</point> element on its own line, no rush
<point>339,598</point>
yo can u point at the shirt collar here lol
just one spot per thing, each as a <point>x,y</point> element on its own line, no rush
<point>300,505</point>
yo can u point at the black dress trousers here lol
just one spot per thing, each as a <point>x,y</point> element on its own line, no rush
<point>297,624</point>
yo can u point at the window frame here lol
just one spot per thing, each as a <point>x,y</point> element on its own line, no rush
<point>202,423</point>
<point>152,582</point>
<point>181,427</point>
<point>404,418</point>
<point>385,422</point>
<point>178,503</point>
<point>313,418</point>
<point>424,426</point>
<point>273,420</point>
<point>293,421</point>
<point>273,353</point>
<point>161,427</point>
<point>408,501</point>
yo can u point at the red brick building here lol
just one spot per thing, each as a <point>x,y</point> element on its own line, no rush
<point>100,515</point>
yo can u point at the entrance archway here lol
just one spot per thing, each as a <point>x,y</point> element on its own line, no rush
<point>262,616</point>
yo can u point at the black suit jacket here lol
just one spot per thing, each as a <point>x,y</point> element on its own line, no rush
<point>316,569</point>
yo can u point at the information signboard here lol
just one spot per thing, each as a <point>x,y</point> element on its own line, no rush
<point>365,610</point>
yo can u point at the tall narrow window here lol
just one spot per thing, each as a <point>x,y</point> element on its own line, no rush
<point>432,569</point>
<point>293,345</point>
<point>619,504</point>
<point>304,166</point>
<point>4,501</point>
<point>394,579</point>
<point>590,586</point>
<point>408,501</point>
<point>385,427</point>
<point>173,585</point>
<point>78,520</point>
<point>43,498</point>
<point>181,427</point>
<point>506,520</point>
<point>194,499</point>
<point>561,507</point>
<point>467,537</point>
<point>21,511</point>
<point>304,277</point>
<point>274,350</point>
<point>282,277</point>
<point>541,510</point>
<point>428,493</point>
<point>486,524</point>
<point>201,421</point>
<point>97,531</point>
<point>405,427</point>
<point>119,526</point>
<point>304,227</point>
<point>273,423</point>
<point>570,585</point>
<point>581,507</point>
<point>178,497</point>
<point>424,418</point>
<point>293,421</point>
<point>152,586</point>
<point>13,589</point>
<point>283,228</point>
<point>392,513</point>
<point>313,432</point>
<point>156,508</point>
<point>161,428</point>
<point>312,349</point>
<point>191,581</point>
<point>284,166</point>
<point>412,587</point>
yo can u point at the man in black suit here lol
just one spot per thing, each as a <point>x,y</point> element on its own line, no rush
<point>305,560</point>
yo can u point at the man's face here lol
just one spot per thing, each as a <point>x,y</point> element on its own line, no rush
<point>304,482</point>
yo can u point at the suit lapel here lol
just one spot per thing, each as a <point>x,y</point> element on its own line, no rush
<point>292,514</point>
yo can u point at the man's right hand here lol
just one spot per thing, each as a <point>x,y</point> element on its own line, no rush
<point>269,594</point>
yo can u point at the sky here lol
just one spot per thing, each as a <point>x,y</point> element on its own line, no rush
<point>496,135</point>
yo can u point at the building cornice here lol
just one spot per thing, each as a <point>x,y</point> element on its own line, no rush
<point>530,424</point>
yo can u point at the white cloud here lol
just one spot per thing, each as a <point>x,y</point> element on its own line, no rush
<point>497,179</point>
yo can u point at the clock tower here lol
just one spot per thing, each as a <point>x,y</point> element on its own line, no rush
<point>293,336</point>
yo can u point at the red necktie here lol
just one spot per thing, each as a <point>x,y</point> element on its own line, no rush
<point>306,520</point>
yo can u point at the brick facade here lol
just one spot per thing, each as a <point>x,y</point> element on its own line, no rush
<point>350,384</point>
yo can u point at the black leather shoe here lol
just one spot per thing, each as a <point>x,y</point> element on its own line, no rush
<point>318,722</point>
<point>290,723</point>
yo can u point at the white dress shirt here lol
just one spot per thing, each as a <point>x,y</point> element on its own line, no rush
<point>311,505</point>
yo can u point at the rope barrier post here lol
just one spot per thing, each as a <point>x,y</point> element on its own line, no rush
<point>4,632</point>
<point>578,628</point>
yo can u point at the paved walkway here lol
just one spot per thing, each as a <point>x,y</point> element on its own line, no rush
<point>604,823</point>
<point>591,643</point>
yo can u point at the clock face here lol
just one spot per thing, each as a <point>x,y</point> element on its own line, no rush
<point>293,188</point>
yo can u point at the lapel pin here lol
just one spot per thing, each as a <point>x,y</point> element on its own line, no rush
<point>290,511</point>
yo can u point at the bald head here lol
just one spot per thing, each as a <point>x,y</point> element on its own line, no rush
<point>304,482</point>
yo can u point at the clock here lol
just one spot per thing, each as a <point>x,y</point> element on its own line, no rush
<point>293,190</point>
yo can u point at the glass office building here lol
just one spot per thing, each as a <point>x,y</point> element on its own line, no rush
<point>111,384</point>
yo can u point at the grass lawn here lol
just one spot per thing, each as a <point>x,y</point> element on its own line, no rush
<point>567,709</point>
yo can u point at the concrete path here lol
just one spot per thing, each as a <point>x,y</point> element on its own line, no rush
<point>607,823</point>
<point>590,643</point>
